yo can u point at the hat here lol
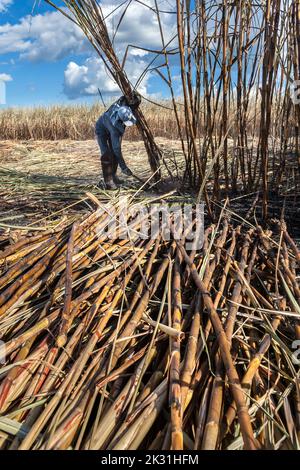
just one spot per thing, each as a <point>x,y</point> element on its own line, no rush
<point>125,115</point>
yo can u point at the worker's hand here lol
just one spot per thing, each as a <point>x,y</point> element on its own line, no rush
<point>126,171</point>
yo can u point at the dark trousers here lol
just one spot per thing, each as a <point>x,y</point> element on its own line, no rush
<point>109,162</point>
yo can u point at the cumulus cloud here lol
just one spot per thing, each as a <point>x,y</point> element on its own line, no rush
<point>140,25</point>
<point>5,77</point>
<point>5,4</point>
<point>49,37</point>
<point>84,80</point>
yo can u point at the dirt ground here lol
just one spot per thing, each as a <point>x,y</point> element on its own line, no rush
<point>45,180</point>
<point>78,160</point>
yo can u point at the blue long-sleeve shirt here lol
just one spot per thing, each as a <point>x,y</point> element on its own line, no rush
<point>110,126</point>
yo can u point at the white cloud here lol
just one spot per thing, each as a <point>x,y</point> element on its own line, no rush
<point>51,37</point>
<point>84,80</point>
<point>4,77</point>
<point>5,4</point>
<point>43,37</point>
<point>139,27</point>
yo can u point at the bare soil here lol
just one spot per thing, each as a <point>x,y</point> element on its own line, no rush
<point>43,181</point>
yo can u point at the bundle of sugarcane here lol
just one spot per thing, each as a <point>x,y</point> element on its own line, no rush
<point>116,341</point>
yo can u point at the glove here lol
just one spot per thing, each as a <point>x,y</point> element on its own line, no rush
<point>126,171</point>
<point>135,100</point>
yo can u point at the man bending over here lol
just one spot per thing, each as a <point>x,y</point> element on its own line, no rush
<point>110,129</point>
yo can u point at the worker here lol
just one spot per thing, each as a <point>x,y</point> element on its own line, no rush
<point>110,129</point>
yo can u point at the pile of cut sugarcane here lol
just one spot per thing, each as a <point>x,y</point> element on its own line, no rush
<point>136,343</point>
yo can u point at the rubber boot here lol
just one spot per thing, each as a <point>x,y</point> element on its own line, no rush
<point>107,170</point>
<point>115,164</point>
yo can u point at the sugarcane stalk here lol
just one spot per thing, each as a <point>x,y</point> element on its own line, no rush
<point>65,322</point>
<point>175,389</point>
<point>234,382</point>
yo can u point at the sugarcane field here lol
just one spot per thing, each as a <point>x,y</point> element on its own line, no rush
<point>150,227</point>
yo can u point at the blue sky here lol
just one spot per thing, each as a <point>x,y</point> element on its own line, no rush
<point>45,59</point>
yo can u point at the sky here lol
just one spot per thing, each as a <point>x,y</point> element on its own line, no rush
<point>45,58</point>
